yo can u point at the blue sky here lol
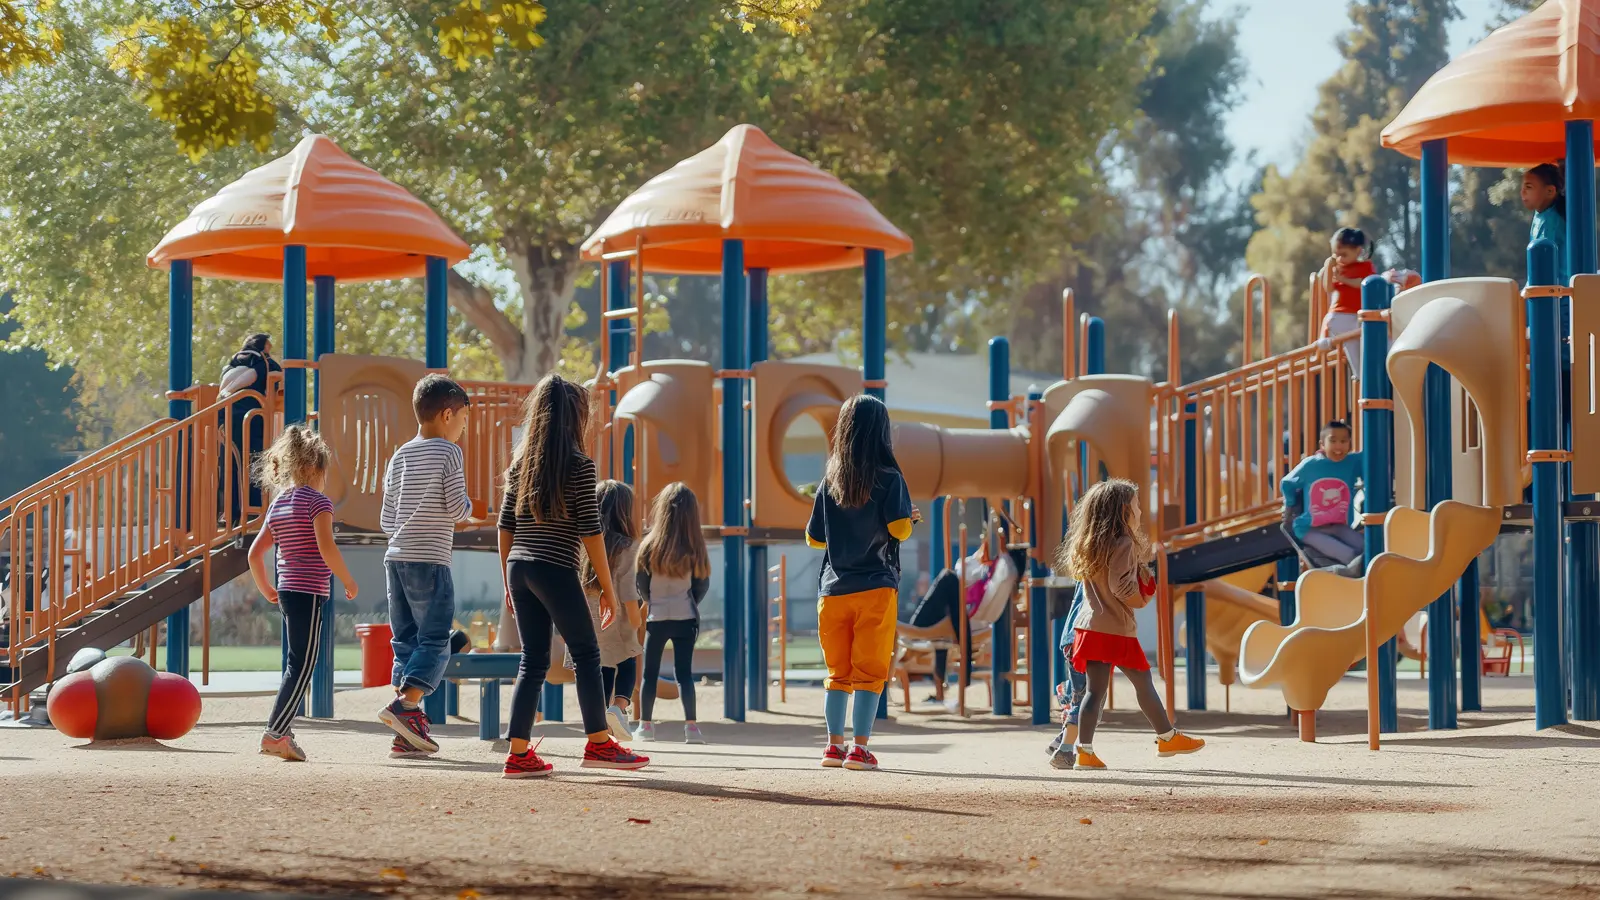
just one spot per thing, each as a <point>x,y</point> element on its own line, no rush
<point>1289,47</point>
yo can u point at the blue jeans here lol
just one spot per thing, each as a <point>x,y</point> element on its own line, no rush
<point>422,609</point>
<point>1078,682</point>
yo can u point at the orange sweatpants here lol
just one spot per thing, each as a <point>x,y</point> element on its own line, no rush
<point>857,635</point>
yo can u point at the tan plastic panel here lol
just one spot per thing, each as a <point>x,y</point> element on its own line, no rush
<point>1471,328</point>
<point>1233,604</point>
<point>784,392</point>
<point>365,415</point>
<point>1309,656</point>
<point>670,404</point>
<point>1585,384</point>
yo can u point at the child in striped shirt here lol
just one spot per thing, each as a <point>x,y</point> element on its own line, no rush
<point>424,496</point>
<point>300,524</point>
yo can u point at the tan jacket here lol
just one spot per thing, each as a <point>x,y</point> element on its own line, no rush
<point>1113,595</point>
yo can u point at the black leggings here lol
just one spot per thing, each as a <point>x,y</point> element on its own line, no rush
<point>546,595</point>
<point>1144,688</point>
<point>619,680</point>
<point>302,624</point>
<point>681,632</point>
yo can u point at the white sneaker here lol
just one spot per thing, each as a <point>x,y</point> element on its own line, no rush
<point>692,735</point>
<point>646,732</point>
<point>618,721</point>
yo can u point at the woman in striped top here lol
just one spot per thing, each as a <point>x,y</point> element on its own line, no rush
<point>299,524</point>
<point>549,511</point>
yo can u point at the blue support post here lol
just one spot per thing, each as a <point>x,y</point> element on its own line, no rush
<point>1288,574</point>
<point>941,543</point>
<point>617,332</point>
<point>759,617</point>
<point>322,319</point>
<point>434,705</point>
<point>294,333</point>
<point>874,348</point>
<point>1003,636</point>
<point>1544,352</point>
<point>1583,565</point>
<point>436,313</point>
<point>1377,475</point>
<point>180,375</point>
<point>550,702</point>
<point>1194,602</point>
<point>1040,635</point>
<point>1436,421</point>
<point>734,587</point>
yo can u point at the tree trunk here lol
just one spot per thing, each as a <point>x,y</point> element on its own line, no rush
<point>546,274</point>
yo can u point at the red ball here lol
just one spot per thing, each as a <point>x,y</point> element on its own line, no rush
<point>73,706</point>
<point>174,707</point>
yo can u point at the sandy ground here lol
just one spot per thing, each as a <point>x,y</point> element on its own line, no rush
<point>965,809</point>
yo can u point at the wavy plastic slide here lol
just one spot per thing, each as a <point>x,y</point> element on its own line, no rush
<point>1425,553</point>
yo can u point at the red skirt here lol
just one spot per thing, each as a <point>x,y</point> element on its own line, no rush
<point>1118,650</point>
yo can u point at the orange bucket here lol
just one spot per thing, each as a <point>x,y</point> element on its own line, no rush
<point>377,654</point>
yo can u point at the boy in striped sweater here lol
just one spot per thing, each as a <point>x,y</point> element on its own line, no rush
<point>424,496</point>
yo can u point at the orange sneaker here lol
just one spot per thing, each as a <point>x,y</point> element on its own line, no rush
<point>1180,744</point>
<point>1087,760</point>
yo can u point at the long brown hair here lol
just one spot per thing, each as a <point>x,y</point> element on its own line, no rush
<point>618,525</point>
<point>1099,523</point>
<point>863,446</point>
<point>674,547</point>
<point>554,435</point>
<point>296,457</point>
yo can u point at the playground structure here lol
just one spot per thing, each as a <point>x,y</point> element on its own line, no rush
<point>130,534</point>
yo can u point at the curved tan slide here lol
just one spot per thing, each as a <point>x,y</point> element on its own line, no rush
<point>1426,553</point>
<point>1233,603</point>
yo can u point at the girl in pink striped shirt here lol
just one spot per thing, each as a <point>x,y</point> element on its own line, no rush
<point>299,523</point>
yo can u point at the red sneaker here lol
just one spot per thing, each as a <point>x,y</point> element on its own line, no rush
<point>611,755</point>
<point>833,757</point>
<point>526,765</point>
<point>411,725</point>
<point>860,759</point>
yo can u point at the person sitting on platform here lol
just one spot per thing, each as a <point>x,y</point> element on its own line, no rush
<point>1318,495</point>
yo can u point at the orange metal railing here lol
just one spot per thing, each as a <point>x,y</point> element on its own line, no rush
<point>165,495</point>
<point>497,411</point>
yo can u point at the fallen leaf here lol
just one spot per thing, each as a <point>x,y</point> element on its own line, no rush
<point>899,866</point>
<point>467,894</point>
<point>393,873</point>
<point>532,810</point>
<point>449,813</point>
<point>1086,821</point>
<point>1262,842</point>
<point>638,821</point>
<point>172,838</point>
<point>1033,862</point>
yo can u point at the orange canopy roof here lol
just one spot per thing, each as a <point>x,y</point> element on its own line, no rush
<point>1505,102</point>
<point>792,216</point>
<point>355,224</point>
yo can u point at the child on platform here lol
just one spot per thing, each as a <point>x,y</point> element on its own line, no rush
<point>619,644</point>
<point>674,575</point>
<point>299,523</point>
<point>424,496</point>
<point>1318,495</point>
<point>1347,267</point>
<point>1107,551</point>
<point>861,514</point>
<point>1544,194</point>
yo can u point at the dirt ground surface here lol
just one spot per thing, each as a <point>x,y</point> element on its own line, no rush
<point>962,809</point>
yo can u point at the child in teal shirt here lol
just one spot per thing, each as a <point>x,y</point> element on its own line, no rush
<point>1319,493</point>
<point>1543,193</point>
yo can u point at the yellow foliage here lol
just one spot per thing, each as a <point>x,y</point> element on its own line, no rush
<point>790,15</point>
<point>476,27</point>
<point>24,39</point>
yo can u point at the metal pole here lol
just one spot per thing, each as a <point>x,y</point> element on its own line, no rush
<point>1583,566</point>
<point>1377,436</point>
<point>618,288</point>
<point>1002,635</point>
<point>436,313</point>
<point>180,375</point>
<point>759,616</point>
<point>1194,602</point>
<point>1436,421</point>
<point>1040,635</point>
<point>1544,350</point>
<point>322,313</point>
<point>734,586</point>
<point>874,348</point>
<point>294,333</point>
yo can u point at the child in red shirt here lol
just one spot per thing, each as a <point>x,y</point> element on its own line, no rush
<point>1349,265</point>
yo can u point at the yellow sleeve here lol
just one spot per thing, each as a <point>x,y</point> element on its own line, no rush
<point>900,529</point>
<point>814,544</point>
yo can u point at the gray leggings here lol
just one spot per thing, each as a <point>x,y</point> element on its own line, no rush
<point>1100,684</point>
<point>1339,542</point>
